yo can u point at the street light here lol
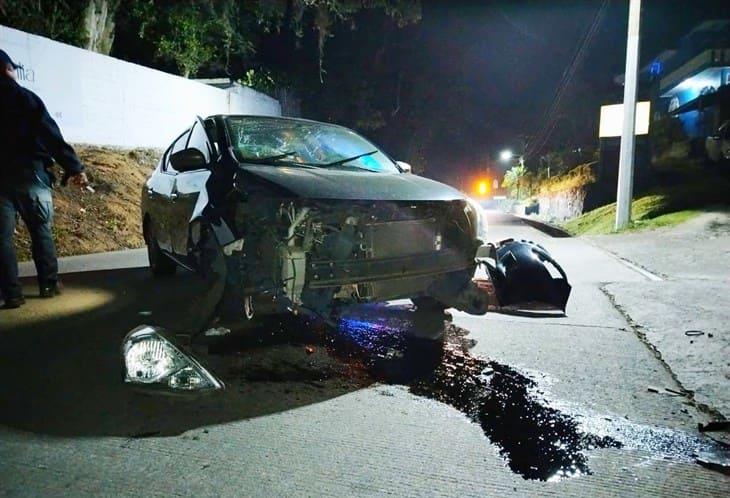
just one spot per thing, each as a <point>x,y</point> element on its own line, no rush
<point>507,155</point>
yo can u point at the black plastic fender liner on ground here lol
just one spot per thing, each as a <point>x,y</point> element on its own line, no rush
<point>522,275</point>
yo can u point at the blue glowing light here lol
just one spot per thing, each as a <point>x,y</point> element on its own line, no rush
<point>656,68</point>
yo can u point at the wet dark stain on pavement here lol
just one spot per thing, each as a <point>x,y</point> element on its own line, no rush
<point>538,442</point>
<point>287,351</point>
<point>537,439</point>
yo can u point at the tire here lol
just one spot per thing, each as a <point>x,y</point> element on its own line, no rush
<point>429,321</point>
<point>222,285</point>
<point>160,264</point>
<point>429,304</point>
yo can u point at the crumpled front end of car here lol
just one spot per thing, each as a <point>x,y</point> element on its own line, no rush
<point>316,253</point>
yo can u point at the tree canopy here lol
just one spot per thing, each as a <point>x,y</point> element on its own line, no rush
<point>191,35</point>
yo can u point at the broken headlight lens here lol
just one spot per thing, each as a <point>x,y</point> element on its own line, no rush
<point>151,359</point>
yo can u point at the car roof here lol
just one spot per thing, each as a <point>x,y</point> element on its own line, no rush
<point>275,118</point>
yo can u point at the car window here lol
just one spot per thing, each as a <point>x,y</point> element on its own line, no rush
<point>199,140</point>
<point>305,142</point>
<point>177,145</point>
<point>213,133</point>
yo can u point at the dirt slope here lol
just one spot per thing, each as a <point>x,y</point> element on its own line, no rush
<point>107,219</point>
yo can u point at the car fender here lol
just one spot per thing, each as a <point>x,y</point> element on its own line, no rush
<point>202,212</point>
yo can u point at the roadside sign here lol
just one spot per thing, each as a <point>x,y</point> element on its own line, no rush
<point>612,119</point>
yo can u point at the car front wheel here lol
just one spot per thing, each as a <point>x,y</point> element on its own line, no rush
<point>429,322</point>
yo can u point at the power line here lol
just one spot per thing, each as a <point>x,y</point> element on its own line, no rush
<point>550,117</point>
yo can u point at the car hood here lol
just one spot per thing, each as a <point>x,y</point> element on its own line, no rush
<point>320,183</point>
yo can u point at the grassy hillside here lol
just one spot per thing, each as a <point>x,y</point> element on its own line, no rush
<point>662,207</point>
<point>579,176</point>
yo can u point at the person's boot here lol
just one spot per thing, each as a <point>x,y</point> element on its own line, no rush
<point>50,290</point>
<point>13,302</point>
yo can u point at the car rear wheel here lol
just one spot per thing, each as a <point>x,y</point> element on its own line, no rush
<point>160,264</point>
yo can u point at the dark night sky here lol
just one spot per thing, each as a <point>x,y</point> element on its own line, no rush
<point>486,71</point>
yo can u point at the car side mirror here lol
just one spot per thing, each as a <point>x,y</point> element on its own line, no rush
<point>405,167</point>
<point>188,160</point>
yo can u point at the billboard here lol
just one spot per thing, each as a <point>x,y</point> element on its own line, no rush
<point>612,119</point>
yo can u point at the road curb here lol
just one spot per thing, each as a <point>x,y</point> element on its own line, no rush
<point>545,227</point>
<point>112,260</point>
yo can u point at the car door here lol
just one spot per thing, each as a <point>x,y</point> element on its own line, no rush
<point>161,190</point>
<point>187,189</point>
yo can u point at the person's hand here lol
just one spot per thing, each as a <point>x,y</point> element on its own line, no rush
<point>80,180</point>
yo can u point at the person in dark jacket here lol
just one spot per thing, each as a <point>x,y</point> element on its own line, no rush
<point>29,140</point>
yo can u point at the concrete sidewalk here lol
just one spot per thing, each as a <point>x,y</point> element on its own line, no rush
<point>684,317</point>
<point>114,260</point>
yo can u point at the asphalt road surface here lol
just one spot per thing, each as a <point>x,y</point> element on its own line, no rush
<point>518,406</point>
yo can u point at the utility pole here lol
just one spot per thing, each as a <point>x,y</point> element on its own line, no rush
<point>628,138</point>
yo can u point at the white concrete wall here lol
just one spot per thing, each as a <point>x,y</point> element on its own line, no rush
<point>101,100</point>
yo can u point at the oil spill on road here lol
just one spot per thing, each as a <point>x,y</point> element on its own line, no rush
<point>539,438</point>
<point>661,442</point>
<point>537,441</point>
<point>282,351</point>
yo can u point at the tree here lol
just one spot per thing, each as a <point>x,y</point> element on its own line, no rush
<point>56,19</point>
<point>186,37</point>
<point>192,34</point>
<point>85,23</point>
<point>552,163</point>
<point>187,34</point>
<point>514,179</point>
<point>97,25</point>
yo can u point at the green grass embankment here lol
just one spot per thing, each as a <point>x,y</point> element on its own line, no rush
<point>662,207</point>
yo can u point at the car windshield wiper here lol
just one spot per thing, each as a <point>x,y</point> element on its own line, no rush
<point>347,160</point>
<point>267,159</point>
<point>278,159</point>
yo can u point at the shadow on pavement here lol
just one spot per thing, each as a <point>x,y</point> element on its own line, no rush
<point>62,373</point>
<point>61,370</point>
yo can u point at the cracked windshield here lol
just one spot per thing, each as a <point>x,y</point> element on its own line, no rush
<point>270,141</point>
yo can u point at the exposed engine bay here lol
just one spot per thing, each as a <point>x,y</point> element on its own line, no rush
<point>320,254</point>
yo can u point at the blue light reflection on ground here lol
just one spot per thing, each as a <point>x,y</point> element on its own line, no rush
<point>376,328</point>
<point>373,335</point>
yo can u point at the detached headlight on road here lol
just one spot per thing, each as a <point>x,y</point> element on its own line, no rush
<point>152,360</point>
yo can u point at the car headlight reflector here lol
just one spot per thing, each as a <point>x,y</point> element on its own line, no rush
<point>152,360</point>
